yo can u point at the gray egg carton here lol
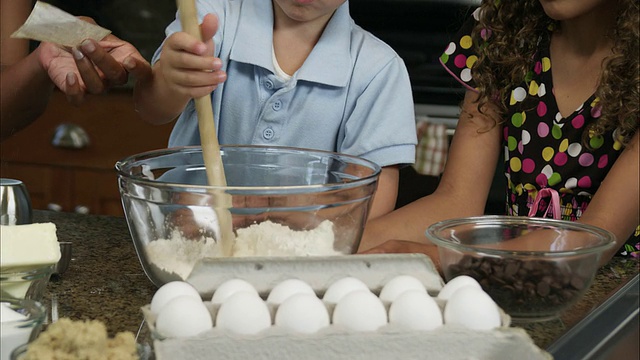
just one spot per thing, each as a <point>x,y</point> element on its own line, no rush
<point>451,342</point>
<point>318,271</point>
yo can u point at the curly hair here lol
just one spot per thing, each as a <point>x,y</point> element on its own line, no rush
<point>500,64</point>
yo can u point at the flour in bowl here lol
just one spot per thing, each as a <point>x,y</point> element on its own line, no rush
<point>179,255</point>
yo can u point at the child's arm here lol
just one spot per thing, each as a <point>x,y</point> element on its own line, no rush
<point>462,191</point>
<point>385,199</point>
<point>615,205</point>
<point>186,69</point>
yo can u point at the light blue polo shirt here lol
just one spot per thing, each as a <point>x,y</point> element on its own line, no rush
<point>352,94</point>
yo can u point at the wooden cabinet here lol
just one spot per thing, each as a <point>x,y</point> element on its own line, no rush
<point>80,179</point>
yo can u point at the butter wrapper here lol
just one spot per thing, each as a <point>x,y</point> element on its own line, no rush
<point>48,23</point>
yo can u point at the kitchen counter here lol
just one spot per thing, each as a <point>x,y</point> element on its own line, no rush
<point>105,280</point>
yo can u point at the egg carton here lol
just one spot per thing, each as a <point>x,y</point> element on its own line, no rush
<point>334,342</point>
<point>448,342</point>
<point>317,271</point>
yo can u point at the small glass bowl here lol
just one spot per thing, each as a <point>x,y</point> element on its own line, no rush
<point>18,352</point>
<point>530,280</point>
<point>24,282</point>
<point>145,352</point>
<point>17,333</point>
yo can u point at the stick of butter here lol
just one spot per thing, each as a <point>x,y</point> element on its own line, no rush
<point>28,245</point>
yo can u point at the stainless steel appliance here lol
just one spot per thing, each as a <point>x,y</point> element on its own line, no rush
<point>15,203</point>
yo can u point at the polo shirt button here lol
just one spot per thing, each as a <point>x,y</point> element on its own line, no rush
<point>268,133</point>
<point>268,84</point>
<point>277,105</point>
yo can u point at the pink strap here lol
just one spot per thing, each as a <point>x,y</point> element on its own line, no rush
<point>555,202</point>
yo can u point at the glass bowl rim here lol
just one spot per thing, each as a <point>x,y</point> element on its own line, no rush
<point>35,318</point>
<point>43,270</point>
<point>376,169</point>
<point>432,230</point>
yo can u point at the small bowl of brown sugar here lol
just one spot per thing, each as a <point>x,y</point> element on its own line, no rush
<point>78,339</point>
<point>533,268</point>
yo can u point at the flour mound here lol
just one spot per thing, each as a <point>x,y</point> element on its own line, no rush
<point>179,255</point>
<point>272,239</point>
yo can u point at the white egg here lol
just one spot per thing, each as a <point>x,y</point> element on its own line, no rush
<point>231,287</point>
<point>456,283</point>
<point>243,313</point>
<point>170,291</point>
<point>399,284</point>
<point>415,310</point>
<point>302,313</point>
<point>288,288</point>
<point>360,310</point>
<point>342,287</point>
<point>473,308</point>
<point>183,316</point>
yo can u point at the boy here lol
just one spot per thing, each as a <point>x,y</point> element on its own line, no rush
<point>287,73</point>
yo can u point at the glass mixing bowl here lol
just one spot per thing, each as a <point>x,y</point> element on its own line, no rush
<point>282,202</point>
<point>533,268</point>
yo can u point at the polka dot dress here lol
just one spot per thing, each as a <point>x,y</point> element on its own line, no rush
<point>543,149</point>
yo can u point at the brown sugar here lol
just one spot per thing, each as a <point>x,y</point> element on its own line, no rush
<point>70,340</point>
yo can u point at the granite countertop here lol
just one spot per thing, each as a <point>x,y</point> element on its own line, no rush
<point>105,280</point>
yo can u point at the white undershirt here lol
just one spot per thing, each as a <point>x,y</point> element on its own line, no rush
<point>279,72</point>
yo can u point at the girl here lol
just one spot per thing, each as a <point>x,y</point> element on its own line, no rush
<point>554,84</point>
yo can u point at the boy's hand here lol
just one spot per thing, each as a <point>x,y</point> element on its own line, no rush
<point>188,65</point>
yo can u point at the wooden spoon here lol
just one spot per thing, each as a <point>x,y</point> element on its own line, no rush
<point>208,138</point>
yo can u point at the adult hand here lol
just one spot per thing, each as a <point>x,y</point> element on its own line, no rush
<point>188,65</point>
<point>93,67</point>
<point>405,246</point>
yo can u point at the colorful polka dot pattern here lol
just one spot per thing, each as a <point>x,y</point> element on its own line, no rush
<point>542,147</point>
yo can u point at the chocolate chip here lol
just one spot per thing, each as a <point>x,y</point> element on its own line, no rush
<point>543,288</point>
<point>577,282</point>
<point>523,286</point>
<point>512,268</point>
